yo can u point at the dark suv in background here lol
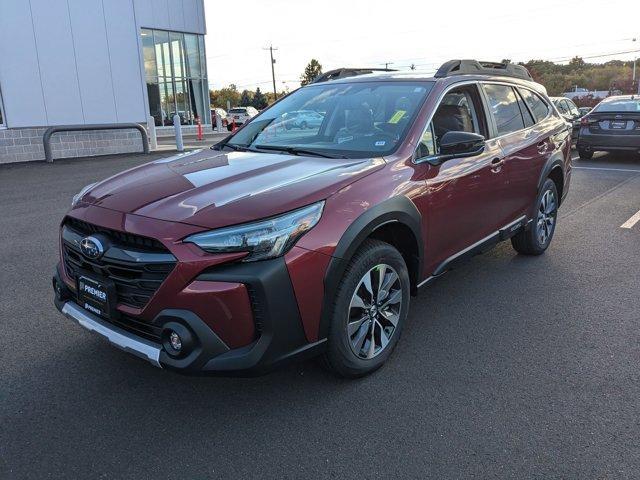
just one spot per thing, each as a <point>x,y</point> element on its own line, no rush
<point>285,243</point>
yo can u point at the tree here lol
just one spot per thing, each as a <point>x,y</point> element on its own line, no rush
<point>259,99</point>
<point>245,98</point>
<point>219,98</point>
<point>311,71</point>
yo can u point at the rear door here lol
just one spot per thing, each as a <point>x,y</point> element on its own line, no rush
<point>523,133</point>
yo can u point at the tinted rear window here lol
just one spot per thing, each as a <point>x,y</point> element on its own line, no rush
<point>238,110</point>
<point>619,106</point>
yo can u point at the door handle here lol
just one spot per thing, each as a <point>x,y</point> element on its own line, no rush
<point>543,147</point>
<point>496,164</point>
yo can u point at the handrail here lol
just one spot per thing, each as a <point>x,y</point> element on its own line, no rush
<point>46,138</point>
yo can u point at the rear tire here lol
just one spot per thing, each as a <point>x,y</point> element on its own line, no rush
<point>585,154</point>
<point>536,239</point>
<point>368,314</point>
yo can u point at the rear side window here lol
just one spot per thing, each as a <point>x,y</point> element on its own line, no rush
<point>504,108</point>
<point>538,107</point>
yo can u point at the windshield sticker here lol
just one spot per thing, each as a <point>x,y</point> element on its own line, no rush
<point>397,116</point>
<point>380,143</point>
<point>345,139</point>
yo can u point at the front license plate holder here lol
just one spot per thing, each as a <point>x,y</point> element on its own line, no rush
<point>97,295</point>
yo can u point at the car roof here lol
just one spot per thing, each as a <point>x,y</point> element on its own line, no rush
<point>420,76</point>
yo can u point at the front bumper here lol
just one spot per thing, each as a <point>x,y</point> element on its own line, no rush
<point>120,338</point>
<point>280,333</point>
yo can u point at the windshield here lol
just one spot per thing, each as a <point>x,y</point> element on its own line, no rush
<point>354,120</point>
<point>627,105</point>
<point>238,110</point>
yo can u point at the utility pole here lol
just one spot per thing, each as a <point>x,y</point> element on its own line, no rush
<point>273,73</point>
<point>635,60</point>
<point>386,65</point>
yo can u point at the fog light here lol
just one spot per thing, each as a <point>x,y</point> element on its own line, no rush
<point>175,341</point>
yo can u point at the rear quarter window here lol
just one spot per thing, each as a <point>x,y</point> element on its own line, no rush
<point>538,107</point>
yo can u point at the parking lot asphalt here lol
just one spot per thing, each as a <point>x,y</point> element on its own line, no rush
<point>509,367</point>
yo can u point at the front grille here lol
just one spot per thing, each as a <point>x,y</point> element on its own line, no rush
<point>138,327</point>
<point>121,238</point>
<point>136,272</point>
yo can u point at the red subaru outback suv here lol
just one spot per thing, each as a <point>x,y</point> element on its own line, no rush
<point>283,243</point>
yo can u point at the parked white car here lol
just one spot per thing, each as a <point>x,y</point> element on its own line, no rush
<point>240,115</point>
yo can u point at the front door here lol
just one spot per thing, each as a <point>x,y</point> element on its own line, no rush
<point>463,201</point>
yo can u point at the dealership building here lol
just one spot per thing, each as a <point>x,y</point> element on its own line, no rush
<point>66,63</point>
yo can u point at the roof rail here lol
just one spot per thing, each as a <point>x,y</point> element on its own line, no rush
<point>347,72</point>
<point>475,67</point>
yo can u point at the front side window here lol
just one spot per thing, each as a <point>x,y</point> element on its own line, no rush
<point>176,77</point>
<point>504,108</point>
<point>538,107</point>
<point>459,111</point>
<point>427,146</point>
<point>355,119</point>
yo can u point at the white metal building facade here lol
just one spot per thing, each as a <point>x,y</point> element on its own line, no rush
<point>81,62</point>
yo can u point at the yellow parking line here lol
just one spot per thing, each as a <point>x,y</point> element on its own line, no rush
<point>632,221</point>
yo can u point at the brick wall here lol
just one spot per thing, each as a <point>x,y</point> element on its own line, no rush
<point>25,144</point>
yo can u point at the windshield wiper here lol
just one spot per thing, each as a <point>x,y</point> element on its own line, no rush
<point>234,147</point>
<point>298,151</point>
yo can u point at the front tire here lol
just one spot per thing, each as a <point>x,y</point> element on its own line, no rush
<point>369,310</point>
<point>536,239</point>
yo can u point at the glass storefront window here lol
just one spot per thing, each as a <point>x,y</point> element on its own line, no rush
<point>193,56</point>
<point>177,53</point>
<point>176,76</point>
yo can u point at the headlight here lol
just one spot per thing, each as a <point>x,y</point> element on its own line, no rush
<point>80,194</point>
<point>263,239</point>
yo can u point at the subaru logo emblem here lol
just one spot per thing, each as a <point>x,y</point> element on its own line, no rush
<point>91,248</point>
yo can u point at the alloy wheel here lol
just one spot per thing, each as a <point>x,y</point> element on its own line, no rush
<point>374,311</point>
<point>547,212</point>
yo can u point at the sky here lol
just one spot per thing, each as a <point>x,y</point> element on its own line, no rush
<point>360,33</point>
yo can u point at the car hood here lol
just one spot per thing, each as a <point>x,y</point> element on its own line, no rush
<point>213,189</point>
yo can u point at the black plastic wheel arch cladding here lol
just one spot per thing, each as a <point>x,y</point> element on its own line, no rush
<point>399,210</point>
<point>554,162</point>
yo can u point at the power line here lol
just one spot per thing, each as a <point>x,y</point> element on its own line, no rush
<point>594,56</point>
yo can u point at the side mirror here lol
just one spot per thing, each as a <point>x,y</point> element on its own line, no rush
<point>461,143</point>
<point>456,144</point>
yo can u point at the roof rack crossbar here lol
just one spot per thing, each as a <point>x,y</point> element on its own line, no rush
<point>347,72</point>
<point>475,67</point>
